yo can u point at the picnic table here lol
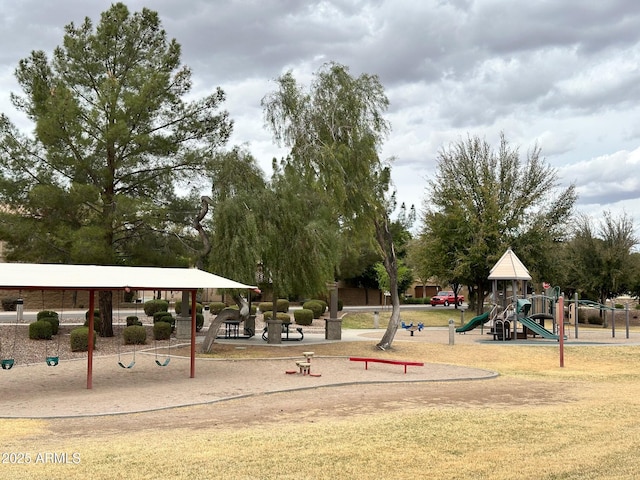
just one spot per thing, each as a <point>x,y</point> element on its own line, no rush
<point>285,333</point>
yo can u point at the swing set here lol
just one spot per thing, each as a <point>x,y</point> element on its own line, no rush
<point>131,364</point>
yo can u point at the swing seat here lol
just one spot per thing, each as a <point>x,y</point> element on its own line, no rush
<point>52,361</point>
<point>163,364</point>
<point>133,362</point>
<point>7,363</point>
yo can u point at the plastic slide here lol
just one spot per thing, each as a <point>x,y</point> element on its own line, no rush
<point>537,328</point>
<point>474,322</point>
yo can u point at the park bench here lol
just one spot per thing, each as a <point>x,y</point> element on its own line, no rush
<point>366,361</point>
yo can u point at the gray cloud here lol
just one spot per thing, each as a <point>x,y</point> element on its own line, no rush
<point>564,74</point>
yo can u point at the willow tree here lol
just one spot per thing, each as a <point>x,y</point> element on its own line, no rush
<point>95,181</point>
<point>279,228</point>
<point>334,130</point>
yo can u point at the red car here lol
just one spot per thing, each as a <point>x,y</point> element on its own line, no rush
<point>446,298</point>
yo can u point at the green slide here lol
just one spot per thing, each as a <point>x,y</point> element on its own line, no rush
<point>474,322</point>
<point>537,328</point>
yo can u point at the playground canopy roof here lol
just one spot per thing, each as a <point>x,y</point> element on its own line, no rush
<point>30,276</point>
<point>509,267</point>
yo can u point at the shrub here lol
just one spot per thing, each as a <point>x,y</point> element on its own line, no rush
<point>133,320</point>
<point>199,321</point>
<point>216,307</point>
<point>80,339</point>
<point>284,317</point>
<point>54,321</point>
<point>282,305</point>
<point>315,306</point>
<point>9,304</point>
<point>159,316</point>
<point>46,313</point>
<point>97,321</point>
<point>304,316</point>
<point>619,306</point>
<point>178,307</point>
<point>40,330</point>
<point>340,305</point>
<point>161,330</point>
<point>595,319</point>
<point>153,306</point>
<point>134,335</point>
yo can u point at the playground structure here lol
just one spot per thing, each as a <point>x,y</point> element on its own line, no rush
<point>518,315</point>
<point>522,316</point>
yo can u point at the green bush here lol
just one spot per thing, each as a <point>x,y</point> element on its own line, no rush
<point>315,306</point>
<point>216,307</point>
<point>153,306</point>
<point>40,330</point>
<point>134,335</point>
<point>340,305</point>
<point>178,307</point>
<point>619,306</point>
<point>97,320</point>
<point>9,304</point>
<point>282,305</point>
<point>199,321</point>
<point>161,331</point>
<point>304,316</point>
<point>284,317</point>
<point>54,321</point>
<point>159,316</point>
<point>46,313</point>
<point>133,320</point>
<point>80,339</point>
<point>595,319</point>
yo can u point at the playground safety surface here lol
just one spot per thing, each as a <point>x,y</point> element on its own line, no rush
<point>40,391</point>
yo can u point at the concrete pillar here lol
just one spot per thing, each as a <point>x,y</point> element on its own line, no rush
<point>250,326</point>
<point>333,325</point>
<point>333,329</point>
<point>183,319</point>
<point>274,331</point>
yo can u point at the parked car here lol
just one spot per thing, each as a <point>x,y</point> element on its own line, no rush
<point>446,298</point>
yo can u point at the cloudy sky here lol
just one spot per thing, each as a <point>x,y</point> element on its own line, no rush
<point>564,74</point>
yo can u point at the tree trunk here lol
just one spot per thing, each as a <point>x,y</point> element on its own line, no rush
<point>105,304</point>
<point>385,240</point>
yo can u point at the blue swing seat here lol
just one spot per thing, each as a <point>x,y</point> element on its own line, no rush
<point>7,363</point>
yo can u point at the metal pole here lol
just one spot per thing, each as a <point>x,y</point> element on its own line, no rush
<point>627,320</point>
<point>452,331</point>
<point>577,314</point>
<point>92,306</point>
<point>560,315</point>
<point>613,319</point>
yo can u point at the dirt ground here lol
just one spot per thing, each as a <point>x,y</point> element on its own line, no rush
<point>246,392</point>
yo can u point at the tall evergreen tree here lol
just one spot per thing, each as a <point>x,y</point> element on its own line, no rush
<point>95,182</point>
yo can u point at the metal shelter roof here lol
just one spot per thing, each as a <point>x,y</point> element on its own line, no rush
<point>36,276</point>
<point>32,276</point>
<point>509,267</point>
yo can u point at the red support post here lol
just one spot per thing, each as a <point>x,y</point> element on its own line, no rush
<point>193,334</point>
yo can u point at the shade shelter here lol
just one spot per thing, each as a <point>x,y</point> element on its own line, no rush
<point>92,278</point>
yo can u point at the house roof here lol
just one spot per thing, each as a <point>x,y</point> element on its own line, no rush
<point>32,276</point>
<point>509,267</point>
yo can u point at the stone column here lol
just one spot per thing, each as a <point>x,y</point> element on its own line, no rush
<point>333,325</point>
<point>274,331</point>
<point>183,319</point>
